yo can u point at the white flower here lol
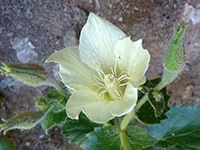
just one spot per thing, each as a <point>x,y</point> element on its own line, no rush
<point>104,71</point>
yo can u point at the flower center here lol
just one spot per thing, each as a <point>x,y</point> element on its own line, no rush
<point>110,86</point>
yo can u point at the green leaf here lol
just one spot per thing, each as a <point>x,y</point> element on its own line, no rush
<point>76,130</point>
<point>139,138</point>
<point>149,112</point>
<point>53,118</point>
<point>105,138</point>
<point>55,103</point>
<point>1,99</point>
<point>6,145</point>
<point>50,99</point>
<point>182,129</point>
<point>108,138</point>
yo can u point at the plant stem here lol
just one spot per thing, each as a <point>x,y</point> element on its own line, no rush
<point>126,120</point>
<point>123,126</point>
<point>107,124</point>
<point>124,140</point>
<point>161,85</point>
<point>145,97</point>
<point>131,115</point>
<point>141,102</point>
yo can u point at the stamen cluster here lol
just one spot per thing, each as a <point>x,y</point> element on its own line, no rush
<point>110,86</point>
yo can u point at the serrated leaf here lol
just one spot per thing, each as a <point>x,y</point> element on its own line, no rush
<point>53,118</point>
<point>56,105</point>
<point>6,145</point>
<point>76,130</point>
<point>182,129</point>
<point>50,99</point>
<point>139,138</point>
<point>105,138</point>
<point>146,113</point>
<point>108,138</point>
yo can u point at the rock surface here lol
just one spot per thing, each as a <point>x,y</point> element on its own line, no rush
<point>32,30</point>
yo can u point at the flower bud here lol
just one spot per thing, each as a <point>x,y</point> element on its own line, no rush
<point>23,121</point>
<point>175,57</point>
<point>30,74</point>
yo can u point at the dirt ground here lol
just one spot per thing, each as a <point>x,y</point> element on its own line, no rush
<point>32,30</point>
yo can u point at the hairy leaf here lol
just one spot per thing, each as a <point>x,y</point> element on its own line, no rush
<point>139,138</point>
<point>6,145</point>
<point>55,103</point>
<point>108,138</point>
<point>105,138</point>
<point>76,130</point>
<point>182,129</point>
<point>153,112</point>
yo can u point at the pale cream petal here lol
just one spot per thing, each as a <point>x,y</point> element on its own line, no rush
<point>126,104</point>
<point>131,57</point>
<point>74,73</point>
<point>96,109</point>
<point>97,42</point>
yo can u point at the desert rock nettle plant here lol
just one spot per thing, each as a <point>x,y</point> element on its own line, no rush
<point>106,95</point>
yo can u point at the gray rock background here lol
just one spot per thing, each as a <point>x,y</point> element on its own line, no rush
<point>32,30</point>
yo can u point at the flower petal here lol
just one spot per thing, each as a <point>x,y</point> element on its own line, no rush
<point>96,109</point>
<point>74,73</point>
<point>126,104</point>
<point>97,40</point>
<point>133,58</point>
